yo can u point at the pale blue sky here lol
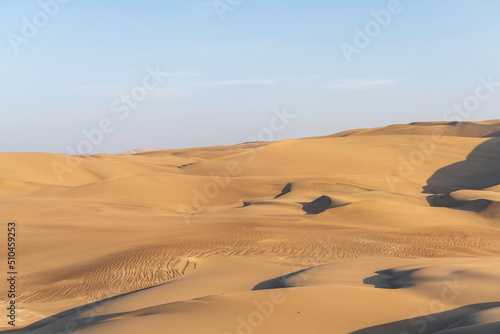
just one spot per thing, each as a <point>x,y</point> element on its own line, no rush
<point>228,75</point>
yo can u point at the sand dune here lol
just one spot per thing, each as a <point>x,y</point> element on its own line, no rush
<point>142,150</point>
<point>386,230</point>
<point>484,129</point>
<point>458,293</point>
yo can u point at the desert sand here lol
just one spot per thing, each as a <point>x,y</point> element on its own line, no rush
<point>393,230</point>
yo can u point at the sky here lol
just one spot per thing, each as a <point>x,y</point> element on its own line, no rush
<point>97,76</point>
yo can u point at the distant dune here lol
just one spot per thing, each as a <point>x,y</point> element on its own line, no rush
<point>391,230</point>
<point>142,150</point>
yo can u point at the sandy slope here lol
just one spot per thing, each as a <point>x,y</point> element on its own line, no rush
<point>387,230</point>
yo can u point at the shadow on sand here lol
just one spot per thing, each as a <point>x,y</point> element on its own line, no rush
<point>480,170</point>
<point>437,323</point>
<point>72,320</point>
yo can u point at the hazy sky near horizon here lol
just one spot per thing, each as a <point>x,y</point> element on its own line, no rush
<point>66,67</point>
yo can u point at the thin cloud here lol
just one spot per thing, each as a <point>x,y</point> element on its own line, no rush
<point>113,88</point>
<point>200,8</point>
<point>238,82</point>
<point>161,93</point>
<point>187,74</point>
<point>361,84</point>
<point>94,87</point>
<point>171,93</point>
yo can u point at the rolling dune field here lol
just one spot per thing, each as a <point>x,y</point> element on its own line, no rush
<point>392,230</point>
